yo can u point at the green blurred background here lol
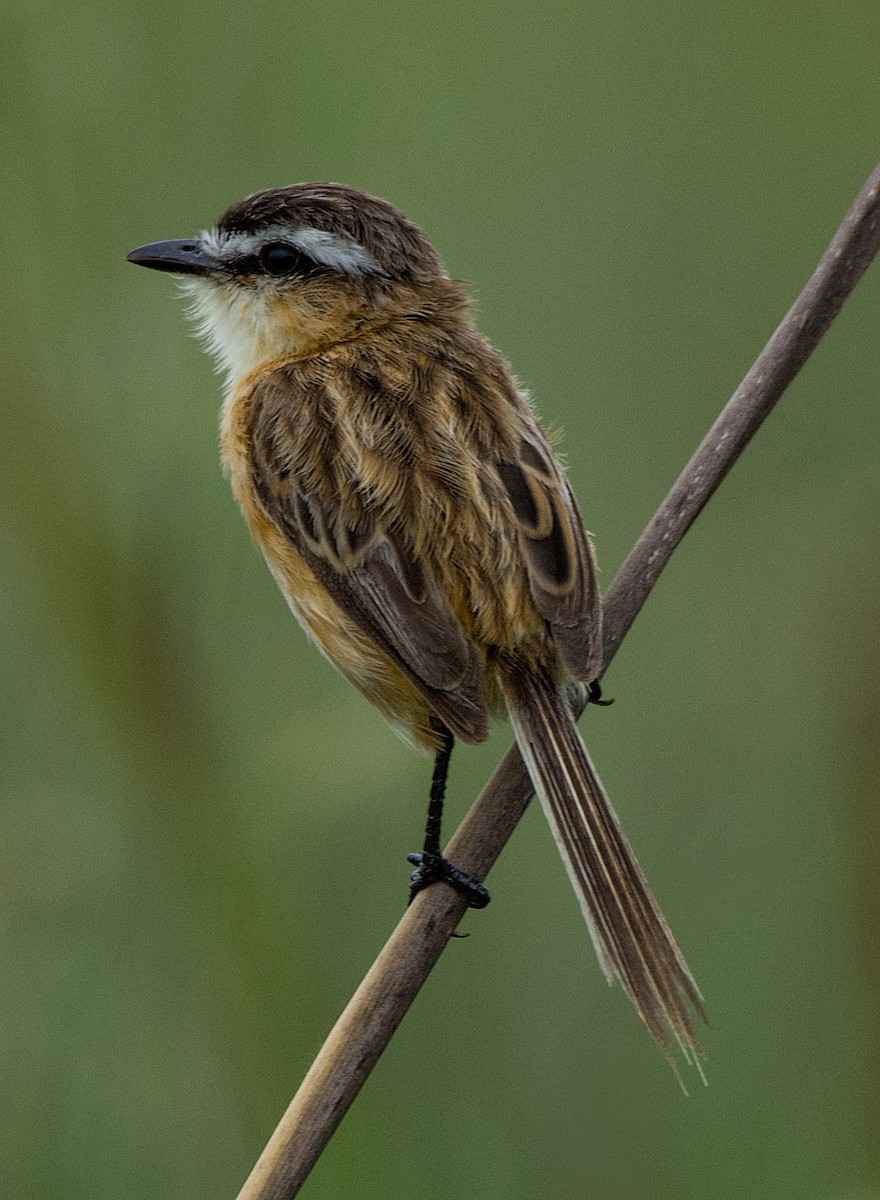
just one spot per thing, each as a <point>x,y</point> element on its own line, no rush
<point>204,828</point>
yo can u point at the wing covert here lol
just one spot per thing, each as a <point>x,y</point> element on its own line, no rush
<point>558,555</point>
<point>391,596</point>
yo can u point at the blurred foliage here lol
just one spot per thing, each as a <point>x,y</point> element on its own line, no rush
<point>204,828</point>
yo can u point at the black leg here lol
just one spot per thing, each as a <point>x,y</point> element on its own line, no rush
<point>431,866</point>
<point>434,822</point>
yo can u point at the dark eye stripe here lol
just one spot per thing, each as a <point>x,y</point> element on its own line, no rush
<point>247,264</point>
<point>277,260</point>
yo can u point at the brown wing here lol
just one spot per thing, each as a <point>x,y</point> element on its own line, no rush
<point>388,594</point>
<point>558,555</point>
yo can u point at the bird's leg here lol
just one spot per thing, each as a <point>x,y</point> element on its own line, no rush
<point>431,866</point>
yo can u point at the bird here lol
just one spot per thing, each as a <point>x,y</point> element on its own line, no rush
<point>420,524</point>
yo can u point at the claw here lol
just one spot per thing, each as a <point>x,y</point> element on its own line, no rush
<point>594,695</point>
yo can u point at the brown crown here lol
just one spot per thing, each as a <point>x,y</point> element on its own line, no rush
<point>399,246</point>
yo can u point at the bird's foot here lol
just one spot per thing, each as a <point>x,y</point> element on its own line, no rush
<point>434,868</point>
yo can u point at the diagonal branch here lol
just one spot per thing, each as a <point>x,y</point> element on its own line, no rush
<point>392,983</point>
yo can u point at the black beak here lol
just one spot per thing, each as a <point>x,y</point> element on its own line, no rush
<point>181,257</point>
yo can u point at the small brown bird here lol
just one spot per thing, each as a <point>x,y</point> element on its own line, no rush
<point>416,518</point>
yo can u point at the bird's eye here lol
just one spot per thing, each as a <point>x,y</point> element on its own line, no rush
<point>281,259</point>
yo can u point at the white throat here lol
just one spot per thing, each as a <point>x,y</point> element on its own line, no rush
<point>238,326</point>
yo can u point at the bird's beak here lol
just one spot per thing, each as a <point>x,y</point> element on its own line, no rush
<point>186,257</point>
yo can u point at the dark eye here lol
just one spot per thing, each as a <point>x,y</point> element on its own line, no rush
<point>280,259</point>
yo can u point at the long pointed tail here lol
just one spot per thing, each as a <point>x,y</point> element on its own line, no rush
<point>632,939</point>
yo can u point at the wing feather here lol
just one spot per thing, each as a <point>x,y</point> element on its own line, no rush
<point>388,594</point>
<point>558,556</point>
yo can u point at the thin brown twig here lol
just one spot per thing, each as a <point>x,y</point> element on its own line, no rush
<point>392,983</point>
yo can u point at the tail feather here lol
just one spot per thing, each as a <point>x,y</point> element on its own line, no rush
<point>632,940</point>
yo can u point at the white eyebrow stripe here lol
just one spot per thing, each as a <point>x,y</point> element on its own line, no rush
<point>335,252</point>
<point>328,249</point>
